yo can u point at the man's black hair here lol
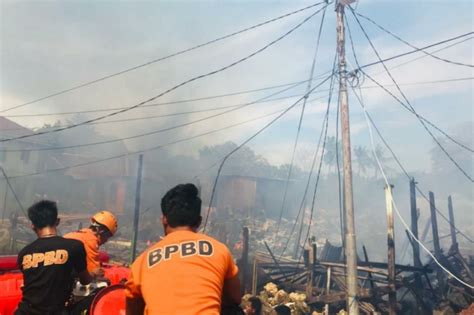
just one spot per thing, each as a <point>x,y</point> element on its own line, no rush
<point>43,213</point>
<point>256,304</point>
<point>282,310</point>
<point>181,206</point>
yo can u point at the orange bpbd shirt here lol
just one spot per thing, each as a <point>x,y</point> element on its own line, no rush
<point>91,244</point>
<point>183,273</point>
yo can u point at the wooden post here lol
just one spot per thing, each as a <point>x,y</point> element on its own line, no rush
<point>414,230</point>
<point>366,257</point>
<point>434,226</point>
<point>311,262</point>
<point>454,242</point>
<point>437,247</point>
<point>245,259</point>
<point>136,215</point>
<point>298,237</point>
<point>392,295</point>
<point>350,236</point>
<point>255,276</point>
<point>328,289</point>
<point>5,196</point>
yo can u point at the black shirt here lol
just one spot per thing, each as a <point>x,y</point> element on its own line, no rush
<point>48,265</point>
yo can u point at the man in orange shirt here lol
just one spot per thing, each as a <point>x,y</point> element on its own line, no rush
<point>103,226</point>
<point>186,272</point>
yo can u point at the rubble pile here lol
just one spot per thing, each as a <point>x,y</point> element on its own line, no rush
<point>272,296</point>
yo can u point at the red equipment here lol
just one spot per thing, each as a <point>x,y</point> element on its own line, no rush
<point>11,281</point>
<point>109,301</point>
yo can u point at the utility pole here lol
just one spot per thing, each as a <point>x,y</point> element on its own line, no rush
<point>350,237</point>
<point>136,214</point>
<point>392,295</point>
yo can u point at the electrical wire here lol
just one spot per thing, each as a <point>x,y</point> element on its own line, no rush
<point>208,74</point>
<point>321,159</point>
<point>248,140</point>
<point>13,191</point>
<point>417,50</point>
<point>190,100</point>
<point>300,122</point>
<point>145,150</point>
<point>391,150</point>
<point>159,130</point>
<point>409,104</point>
<point>302,204</point>
<point>412,46</point>
<point>408,229</point>
<point>165,57</point>
<point>397,99</point>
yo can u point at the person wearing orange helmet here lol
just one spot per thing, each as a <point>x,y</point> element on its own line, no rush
<point>103,226</point>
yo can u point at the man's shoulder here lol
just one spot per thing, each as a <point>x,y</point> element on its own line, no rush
<point>69,243</point>
<point>219,245</point>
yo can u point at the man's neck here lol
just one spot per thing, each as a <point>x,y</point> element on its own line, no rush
<point>170,229</point>
<point>46,232</point>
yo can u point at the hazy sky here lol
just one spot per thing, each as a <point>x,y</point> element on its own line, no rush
<point>48,46</point>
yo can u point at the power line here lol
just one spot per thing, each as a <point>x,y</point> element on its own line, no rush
<point>178,85</point>
<point>163,58</point>
<point>222,95</point>
<point>300,122</point>
<point>214,97</point>
<point>408,102</point>
<point>248,140</point>
<point>13,191</point>
<point>155,131</point>
<point>190,100</point>
<point>145,150</point>
<point>412,46</point>
<point>321,159</point>
<point>374,151</point>
<point>393,153</point>
<point>417,50</point>
<point>409,108</point>
<point>302,204</point>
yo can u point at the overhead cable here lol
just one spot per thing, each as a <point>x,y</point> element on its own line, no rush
<point>391,150</point>
<point>13,191</point>
<point>247,141</point>
<point>409,104</point>
<point>300,122</point>
<point>164,58</point>
<point>407,227</point>
<point>413,46</point>
<point>144,150</point>
<point>153,132</point>
<point>208,74</point>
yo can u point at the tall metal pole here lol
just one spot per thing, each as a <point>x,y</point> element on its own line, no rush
<point>136,214</point>
<point>454,241</point>
<point>350,237</point>
<point>392,295</point>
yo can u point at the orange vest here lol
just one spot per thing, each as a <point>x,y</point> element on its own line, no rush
<point>91,244</point>
<point>183,273</point>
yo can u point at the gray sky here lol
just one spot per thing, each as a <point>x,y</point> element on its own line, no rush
<point>48,46</point>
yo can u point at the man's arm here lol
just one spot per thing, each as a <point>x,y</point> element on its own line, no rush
<point>231,291</point>
<point>135,306</point>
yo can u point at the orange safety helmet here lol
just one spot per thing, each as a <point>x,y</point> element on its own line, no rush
<point>107,219</point>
